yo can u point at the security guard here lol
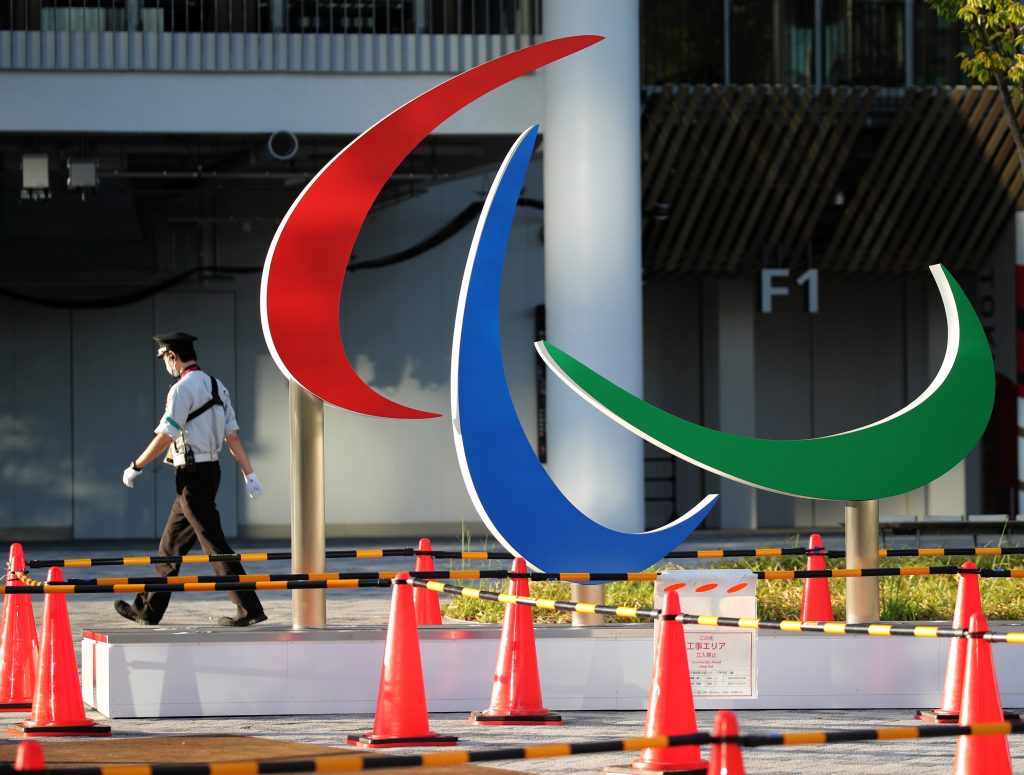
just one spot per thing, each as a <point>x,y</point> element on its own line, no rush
<point>197,418</point>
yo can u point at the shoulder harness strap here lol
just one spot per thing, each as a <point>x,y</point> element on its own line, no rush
<point>214,401</point>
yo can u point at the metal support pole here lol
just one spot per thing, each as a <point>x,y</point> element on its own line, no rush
<point>309,548</point>
<point>908,38</point>
<point>727,41</point>
<point>819,41</point>
<point>131,14</point>
<point>587,593</point>
<point>277,16</point>
<point>421,18</point>
<point>862,601</point>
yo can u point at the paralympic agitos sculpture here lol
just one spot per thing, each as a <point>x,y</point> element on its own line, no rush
<point>512,492</point>
<point>894,455</point>
<point>301,288</point>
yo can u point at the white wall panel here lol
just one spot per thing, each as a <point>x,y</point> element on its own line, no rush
<point>114,414</point>
<point>35,420</point>
<point>239,103</point>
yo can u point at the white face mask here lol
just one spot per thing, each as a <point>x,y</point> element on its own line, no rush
<point>169,365</point>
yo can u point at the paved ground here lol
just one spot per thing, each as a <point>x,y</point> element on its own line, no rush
<point>370,607</point>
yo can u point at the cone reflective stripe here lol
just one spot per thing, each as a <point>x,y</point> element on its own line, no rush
<point>817,602</point>
<point>428,607</point>
<point>968,603</point>
<point>726,758</point>
<point>57,707</point>
<point>19,648</point>
<point>401,715</point>
<point>980,704</point>
<point>29,757</point>
<point>670,710</point>
<point>515,694</point>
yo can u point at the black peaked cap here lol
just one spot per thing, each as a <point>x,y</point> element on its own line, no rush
<point>172,341</point>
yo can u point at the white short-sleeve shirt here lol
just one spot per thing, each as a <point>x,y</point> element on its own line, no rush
<point>206,432</point>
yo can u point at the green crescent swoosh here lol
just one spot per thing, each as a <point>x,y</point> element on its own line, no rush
<point>899,453</point>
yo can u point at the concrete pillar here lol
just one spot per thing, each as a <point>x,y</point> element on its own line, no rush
<point>737,311</point>
<point>592,249</point>
<point>592,254</point>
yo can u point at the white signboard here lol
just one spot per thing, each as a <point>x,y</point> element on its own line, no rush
<point>723,661</point>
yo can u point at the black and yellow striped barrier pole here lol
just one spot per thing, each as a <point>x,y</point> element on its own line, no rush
<point>848,573</point>
<point>357,763</point>
<point>462,575</point>
<point>536,602</point>
<point>185,586</point>
<point>696,554</point>
<point>331,554</point>
<point>841,628</point>
<point>830,628</point>
<point>86,562</point>
<point>384,576</point>
<point>951,551</point>
<point>935,551</point>
<point>468,575</point>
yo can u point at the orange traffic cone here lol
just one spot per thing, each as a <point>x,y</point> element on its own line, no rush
<point>817,603</point>
<point>515,694</point>
<point>29,757</point>
<point>670,710</point>
<point>428,608</point>
<point>19,649</point>
<point>968,603</point>
<point>976,754</point>
<point>726,758</point>
<point>401,716</point>
<point>57,707</point>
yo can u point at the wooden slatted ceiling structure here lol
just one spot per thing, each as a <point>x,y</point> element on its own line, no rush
<point>735,178</point>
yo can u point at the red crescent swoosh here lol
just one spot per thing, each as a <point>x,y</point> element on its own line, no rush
<point>306,264</point>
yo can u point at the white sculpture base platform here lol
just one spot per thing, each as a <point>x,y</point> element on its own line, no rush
<point>266,671</point>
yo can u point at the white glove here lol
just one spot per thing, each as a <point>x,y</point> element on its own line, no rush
<point>253,486</point>
<point>128,477</point>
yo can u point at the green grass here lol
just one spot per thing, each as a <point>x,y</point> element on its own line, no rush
<point>903,598</point>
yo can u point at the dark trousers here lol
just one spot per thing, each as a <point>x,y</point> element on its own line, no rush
<point>194,516</point>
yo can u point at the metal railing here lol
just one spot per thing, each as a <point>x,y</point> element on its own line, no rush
<point>262,35</point>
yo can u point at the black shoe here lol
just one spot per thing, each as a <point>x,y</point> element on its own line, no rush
<point>129,613</point>
<point>242,621</point>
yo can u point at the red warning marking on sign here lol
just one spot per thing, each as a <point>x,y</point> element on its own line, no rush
<point>736,588</point>
<point>680,585</point>
<point>706,587</point>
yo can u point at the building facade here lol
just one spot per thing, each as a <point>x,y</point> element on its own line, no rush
<point>149,148</point>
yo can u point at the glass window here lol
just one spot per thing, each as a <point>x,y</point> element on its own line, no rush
<point>936,45</point>
<point>864,42</point>
<point>773,42</point>
<point>495,17</point>
<point>682,41</point>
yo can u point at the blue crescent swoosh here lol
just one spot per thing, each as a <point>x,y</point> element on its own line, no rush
<point>510,489</point>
